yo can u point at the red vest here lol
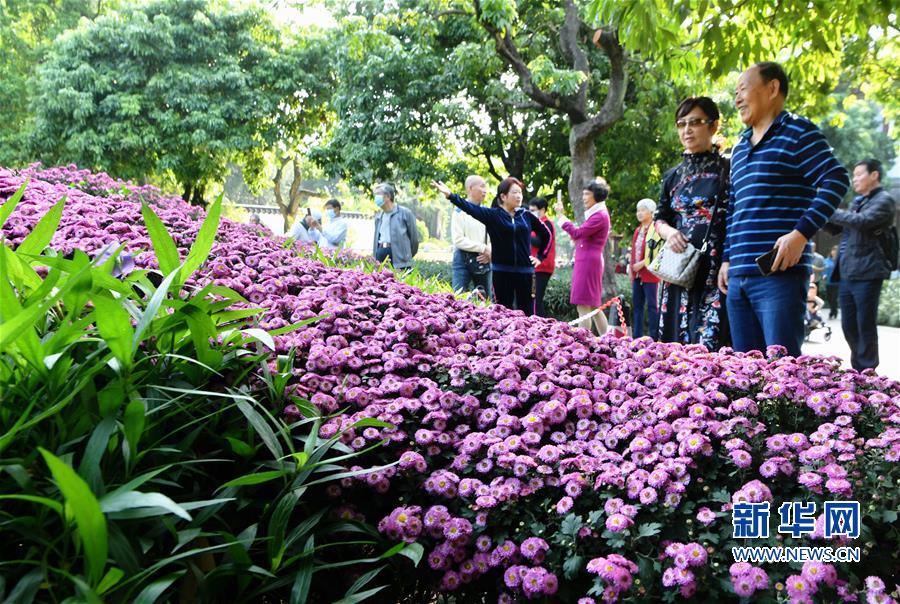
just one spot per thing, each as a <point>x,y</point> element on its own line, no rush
<point>549,263</point>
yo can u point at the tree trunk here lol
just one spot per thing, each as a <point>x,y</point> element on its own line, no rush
<point>279,197</point>
<point>584,161</point>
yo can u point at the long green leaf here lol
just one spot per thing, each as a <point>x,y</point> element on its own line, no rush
<point>277,525</point>
<point>130,500</point>
<point>163,245</point>
<point>9,205</point>
<point>303,577</point>
<point>26,589</point>
<point>256,478</point>
<point>86,510</point>
<point>152,308</point>
<point>89,468</point>
<point>152,592</point>
<point>262,428</point>
<point>361,596</point>
<point>53,505</point>
<point>39,238</point>
<point>206,236</point>
<point>114,324</point>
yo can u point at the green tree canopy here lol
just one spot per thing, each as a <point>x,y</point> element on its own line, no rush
<point>174,87</point>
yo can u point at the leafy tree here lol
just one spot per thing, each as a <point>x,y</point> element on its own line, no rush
<point>858,132</point>
<point>175,87</point>
<point>27,27</point>
<point>820,42</point>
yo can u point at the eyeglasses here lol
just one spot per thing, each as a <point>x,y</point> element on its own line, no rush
<point>692,122</point>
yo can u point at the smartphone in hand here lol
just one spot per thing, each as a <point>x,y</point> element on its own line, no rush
<point>766,261</point>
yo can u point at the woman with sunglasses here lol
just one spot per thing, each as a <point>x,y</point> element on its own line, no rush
<point>693,193</point>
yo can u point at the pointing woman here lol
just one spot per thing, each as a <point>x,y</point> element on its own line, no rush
<point>509,226</point>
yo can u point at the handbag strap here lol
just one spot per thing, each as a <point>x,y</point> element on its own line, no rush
<point>709,226</point>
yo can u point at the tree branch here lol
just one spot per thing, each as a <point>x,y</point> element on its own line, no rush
<point>507,50</point>
<point>614,104</point>
<point>568,42</point>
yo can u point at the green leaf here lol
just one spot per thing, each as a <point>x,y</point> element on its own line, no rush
<point>130,500</point>
<point>114,324</point>
<point>151,309</point>
<point>413,551</point>
<point>262,428</point>
<point>240,447</point>
<point>163,246</point>
<point>152,592</point>
<point>113,576</point>
<point>206,236</point>
<point>648,530</point>
<point>53,505</point>
<point>89,468</point>
<point>26,589</point>
<point>133,423</point>
<point>9,205</point>
<point>303,577</point>
<point>43,231</point>
<point>255,478</point>
<point>86,510</point>
<point>278,524</point>
<point>295,326</point>
<point>260,335</point>
<point>361,596</point>
<point>573,566</point>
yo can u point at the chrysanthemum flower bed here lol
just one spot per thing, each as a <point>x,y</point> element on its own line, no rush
<point>532,460</point>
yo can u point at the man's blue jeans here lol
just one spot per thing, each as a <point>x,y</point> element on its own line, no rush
<point>767,311</point>
<point>644,294</point>
<point>464,280</point>
<point>859,320</point>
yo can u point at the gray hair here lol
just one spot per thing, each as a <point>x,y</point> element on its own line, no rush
<point>647,204</point>
<point>386,189</point>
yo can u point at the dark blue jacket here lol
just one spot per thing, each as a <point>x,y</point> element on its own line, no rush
<point>861,255</point>
<point>510,235</point>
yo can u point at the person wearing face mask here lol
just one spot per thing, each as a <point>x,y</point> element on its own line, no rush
<point>396,237</point>
<point>334,234</point>
<point>509,227</point>
<point>785,185</point>
<point>691,209</point>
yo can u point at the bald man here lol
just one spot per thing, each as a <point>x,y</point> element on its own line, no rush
<point>472,253</point>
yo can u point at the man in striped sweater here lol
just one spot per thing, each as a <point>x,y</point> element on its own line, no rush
<point>785,184</point>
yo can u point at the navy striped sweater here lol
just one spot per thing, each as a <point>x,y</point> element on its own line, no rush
<point>789,180</point>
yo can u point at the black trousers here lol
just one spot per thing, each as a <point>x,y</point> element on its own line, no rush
<point>859,320</point>
<point>514,290</point>
<point>540,282</point>
<point>833,290</point>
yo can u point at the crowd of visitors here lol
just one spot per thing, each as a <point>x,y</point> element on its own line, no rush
<point>724,257</point>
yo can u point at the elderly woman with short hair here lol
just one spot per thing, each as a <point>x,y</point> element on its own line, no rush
<point>645,245</point>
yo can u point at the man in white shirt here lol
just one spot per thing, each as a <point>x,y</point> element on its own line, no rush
<point>334,234</point>
<point>472,253</point>
<point>302,229</point>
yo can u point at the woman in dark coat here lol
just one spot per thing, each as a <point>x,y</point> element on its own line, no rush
<point>509,226</point>
<point>690,192</point>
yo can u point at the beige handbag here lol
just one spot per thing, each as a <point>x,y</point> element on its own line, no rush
<point>677,268</point>
<point>680,268</point>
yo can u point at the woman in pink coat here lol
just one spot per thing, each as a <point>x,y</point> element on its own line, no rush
<point>590,239</point>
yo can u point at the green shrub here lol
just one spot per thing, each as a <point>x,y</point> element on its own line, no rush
<point>889,305</point>
<point>138,453</point>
